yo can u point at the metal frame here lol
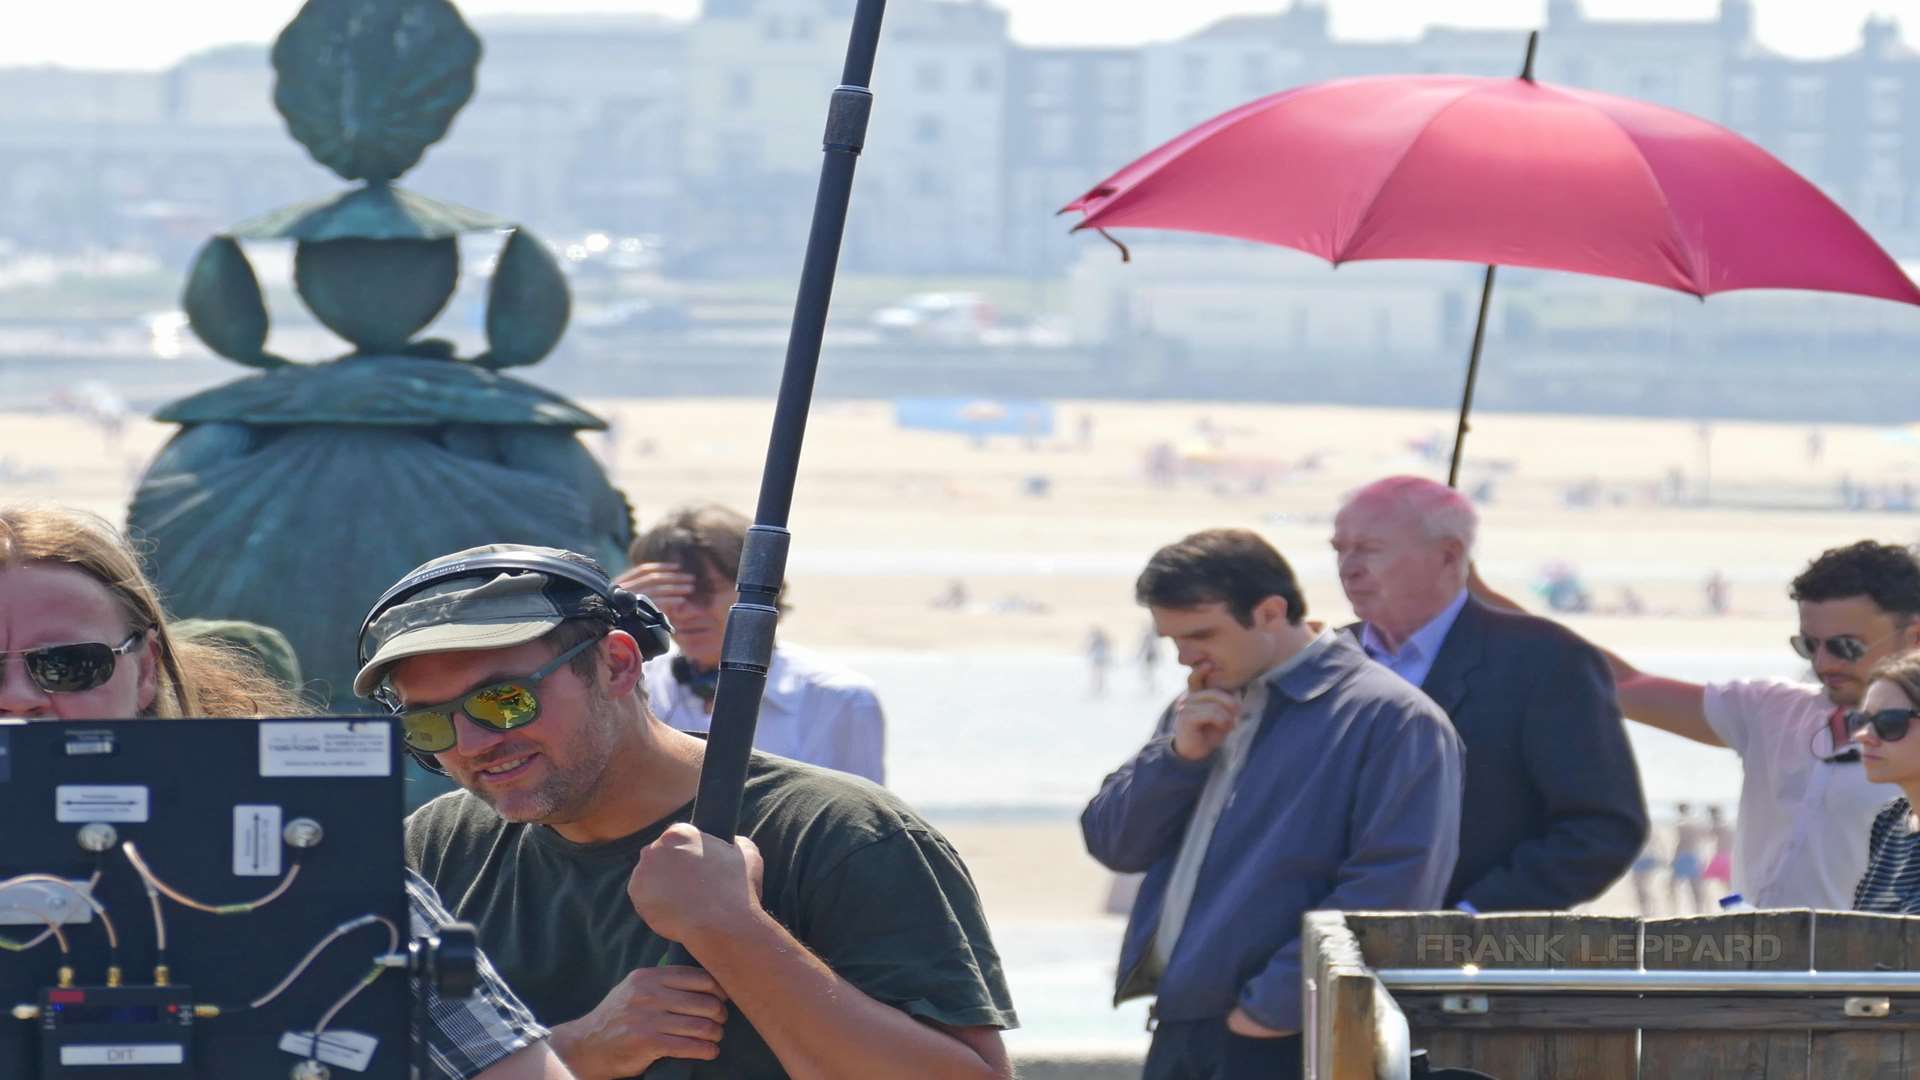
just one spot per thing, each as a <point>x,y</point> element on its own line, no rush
<point>1604,981</point>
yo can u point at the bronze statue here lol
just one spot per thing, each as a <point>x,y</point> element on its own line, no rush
<point>290,497</point>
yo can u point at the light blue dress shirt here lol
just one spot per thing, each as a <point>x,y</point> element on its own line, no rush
<point>1415,658</point>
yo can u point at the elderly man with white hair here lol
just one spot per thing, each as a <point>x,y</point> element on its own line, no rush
<point>1553,812</point>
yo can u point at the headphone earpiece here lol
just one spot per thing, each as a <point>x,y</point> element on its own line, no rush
<point>638,616</point>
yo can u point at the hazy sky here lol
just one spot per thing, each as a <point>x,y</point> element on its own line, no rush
<point>155,33</point>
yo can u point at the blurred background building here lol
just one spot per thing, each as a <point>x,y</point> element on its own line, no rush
<point>675,161</point>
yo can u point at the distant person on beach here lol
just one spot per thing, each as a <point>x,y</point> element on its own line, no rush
<point>954,598</point>
<point>1553,812</point>
<point>1099,658</point>
<point>1719,872</point>
<point>814,710</point>
<point>1645,866</point>
<point>1803,793</point>
<point>1149,656</point>
<point>1295,775</point>
<point>1686,873</point>
<point>1883,728</point>
<point>1718,602</point>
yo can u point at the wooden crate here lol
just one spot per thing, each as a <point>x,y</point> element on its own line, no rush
<point>1567,1036</point>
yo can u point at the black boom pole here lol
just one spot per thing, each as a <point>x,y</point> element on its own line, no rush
<point>746,650</point>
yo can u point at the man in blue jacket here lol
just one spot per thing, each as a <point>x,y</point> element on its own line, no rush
<point>1294,775</point>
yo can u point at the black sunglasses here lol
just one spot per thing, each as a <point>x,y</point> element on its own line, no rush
<point>1846,648</point>
<point>1889,725</point>
<point>72,669</point>
<point>501,706</point>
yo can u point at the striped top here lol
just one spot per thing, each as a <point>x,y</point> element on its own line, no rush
<point>1892,881</point>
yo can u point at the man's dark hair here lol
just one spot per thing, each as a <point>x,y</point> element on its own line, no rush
<point>1231,566</point>
<point>705,541</point>
<point>1888,574</point>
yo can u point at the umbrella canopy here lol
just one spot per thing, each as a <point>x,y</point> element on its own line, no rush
<point>1500,171</point>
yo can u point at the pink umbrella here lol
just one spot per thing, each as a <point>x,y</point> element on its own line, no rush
<point>1502,172</point>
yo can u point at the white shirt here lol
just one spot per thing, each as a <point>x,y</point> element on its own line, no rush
<point>1801,840</point>
<point>813,711</point>
<point>1413,661</point>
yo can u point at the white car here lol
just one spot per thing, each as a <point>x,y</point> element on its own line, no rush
<point>937,316</point>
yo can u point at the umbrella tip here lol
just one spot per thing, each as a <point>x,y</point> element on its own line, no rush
<point>1533,44</point>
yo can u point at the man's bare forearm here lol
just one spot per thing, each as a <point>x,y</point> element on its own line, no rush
<point>821,1026</point>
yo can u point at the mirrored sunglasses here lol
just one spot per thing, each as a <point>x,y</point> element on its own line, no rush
<point>500,706</point>
<point>73,669</point>
<point>1843,647</point>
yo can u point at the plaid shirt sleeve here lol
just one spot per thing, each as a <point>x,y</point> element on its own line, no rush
<point>465,1036</point>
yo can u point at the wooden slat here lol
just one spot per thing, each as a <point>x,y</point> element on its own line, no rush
<point>1428,940</point>
<point>1783,941</point>
<point>1666,1013</point>
<point>1593,941</point>
<point>1851,941</point>
<point>1351,996</point>
<point>1341,1037</point>
<point>1746,941</point>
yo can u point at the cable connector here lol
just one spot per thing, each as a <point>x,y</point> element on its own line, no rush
<point>113,975</point>
<point>66,977</point>
<point>162,975</point>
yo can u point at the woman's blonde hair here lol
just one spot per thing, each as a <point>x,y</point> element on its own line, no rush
<point>195,678</point>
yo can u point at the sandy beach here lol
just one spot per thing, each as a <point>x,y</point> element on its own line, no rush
<point>1044,539</point>
<point>886,519</point>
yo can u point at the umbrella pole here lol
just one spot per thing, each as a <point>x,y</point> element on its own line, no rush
<point>746,650</point>
<point>1480,328</point>
<point>1473,375</point>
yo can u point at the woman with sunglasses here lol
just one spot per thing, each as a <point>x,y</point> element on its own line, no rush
<point>1892,881</point>
<point>83,637</point>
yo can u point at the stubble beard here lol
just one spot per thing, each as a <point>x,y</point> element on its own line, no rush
<point>567,793</point>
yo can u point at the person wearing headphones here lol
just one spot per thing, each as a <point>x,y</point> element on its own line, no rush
<point>83,636</point>
<point>840,936</point>
<point>814,710</point>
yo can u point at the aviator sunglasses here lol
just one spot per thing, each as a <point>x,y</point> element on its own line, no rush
<point>1889,725</point>
<point>501,706</point>
<point>1843,647</point>
<point>73,669</point>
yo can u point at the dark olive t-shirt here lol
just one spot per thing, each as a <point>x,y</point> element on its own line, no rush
<point>850,870</point>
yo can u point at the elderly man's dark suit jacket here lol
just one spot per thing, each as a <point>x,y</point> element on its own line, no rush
<point>1553,812</point>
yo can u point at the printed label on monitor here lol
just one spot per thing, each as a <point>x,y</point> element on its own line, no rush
<point>256,841</point>
<point>100,802</point>
<point>323,748</point>
<point>346,1049</point>
<point>135,1054</point>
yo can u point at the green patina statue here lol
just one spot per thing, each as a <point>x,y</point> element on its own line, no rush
<point>293,496</point>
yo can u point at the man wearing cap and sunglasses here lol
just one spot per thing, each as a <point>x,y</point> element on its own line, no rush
<point>841,936</point>
<point>1805,802</point>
